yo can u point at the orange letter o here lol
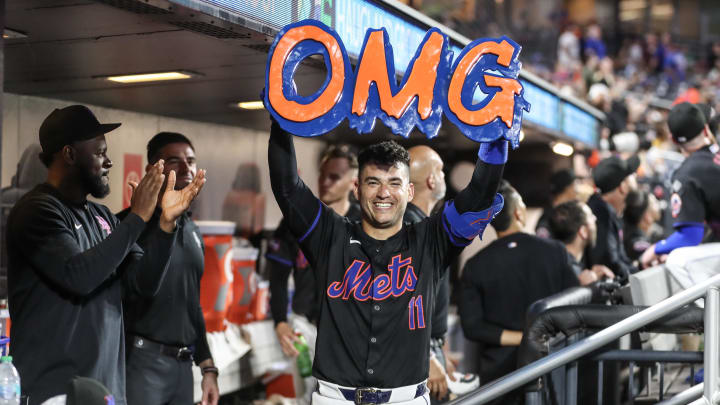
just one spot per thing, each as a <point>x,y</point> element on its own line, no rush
<point>292,110</point>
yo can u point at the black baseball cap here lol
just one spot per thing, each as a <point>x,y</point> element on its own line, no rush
<point>87,391</point>
<point>686,121</point>
<point>610,172</point>
<point>560,180</point>
<point>70,124</point>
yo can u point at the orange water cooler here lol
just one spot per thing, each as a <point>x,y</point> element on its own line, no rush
<point>216,286</point>
<point>244,286</point>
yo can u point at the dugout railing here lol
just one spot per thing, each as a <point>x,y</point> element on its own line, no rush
<point>674,314</point>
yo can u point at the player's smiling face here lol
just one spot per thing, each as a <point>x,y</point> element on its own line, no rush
<point>383,192</point>
<point>180,157</point>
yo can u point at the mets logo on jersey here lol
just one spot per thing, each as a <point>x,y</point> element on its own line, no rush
<point>675,205</point>
<point>359,283</point>
<point>103,224</point>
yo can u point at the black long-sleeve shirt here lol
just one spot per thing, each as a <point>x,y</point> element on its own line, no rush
<point>284,257</point>
<point>499,284</point>
<point>173,316</point>
<point>373,331</point>
<point>609,249</point>
<point>696,196</point>
<point>68,265</point>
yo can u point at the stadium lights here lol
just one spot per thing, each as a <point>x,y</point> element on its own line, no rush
<point>150,77</point>
<point>562,149</point>
<point>13,34</point>
<point>250,105</point>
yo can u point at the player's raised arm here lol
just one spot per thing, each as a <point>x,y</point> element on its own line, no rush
<point>298,204</point>
<point>476,205</point>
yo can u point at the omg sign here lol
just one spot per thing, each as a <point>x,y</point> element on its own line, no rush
<point>433,85</point>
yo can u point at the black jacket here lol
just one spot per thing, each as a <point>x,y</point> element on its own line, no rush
<point>499,284</point>
<point>173,316</point>
<point>68,265</point>
<point>609,249</point>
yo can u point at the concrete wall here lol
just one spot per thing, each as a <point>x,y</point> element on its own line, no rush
<point>219,149</point>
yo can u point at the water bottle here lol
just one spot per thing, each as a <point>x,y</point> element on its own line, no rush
<point>9,382</point>
<point>304,363</point>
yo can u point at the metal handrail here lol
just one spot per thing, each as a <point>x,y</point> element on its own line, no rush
<point>712,338</point>
<point>532,371</point>
<point>685,397</point>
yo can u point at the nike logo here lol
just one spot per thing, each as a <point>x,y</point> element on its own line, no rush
<point>78,226</point>
<point>355,241</point>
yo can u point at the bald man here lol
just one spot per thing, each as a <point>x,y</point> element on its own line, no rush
<point>426,174</point>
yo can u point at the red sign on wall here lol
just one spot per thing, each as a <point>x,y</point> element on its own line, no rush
<point>132,166</point>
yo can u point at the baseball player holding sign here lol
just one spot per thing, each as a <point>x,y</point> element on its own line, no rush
<point>379,275</point>
<point>377,278</point>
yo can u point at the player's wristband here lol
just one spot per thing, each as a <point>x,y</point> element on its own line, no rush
<point>495,152</point>
<point>210,369</point>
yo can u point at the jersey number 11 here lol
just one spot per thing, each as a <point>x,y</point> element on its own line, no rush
<point>416,313</point>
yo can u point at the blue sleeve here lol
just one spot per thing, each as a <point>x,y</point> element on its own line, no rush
<point>688,234</point>
<point>477,204</point>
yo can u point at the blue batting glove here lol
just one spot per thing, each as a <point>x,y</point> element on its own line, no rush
<point>495,152</point>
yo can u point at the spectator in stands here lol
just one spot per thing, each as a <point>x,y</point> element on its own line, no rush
<point>655,53</point>
<point>635,59</point>
<point>642,210</point>
<point>563,187</point>
<point>594,44</point>
<point>574,224</point>
<point>614,179</point>
<point>568,51</point>
<point>696,198</point>
<point>502,281</point>
<point>605,73</point>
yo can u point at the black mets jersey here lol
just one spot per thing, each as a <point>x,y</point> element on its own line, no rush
<point>284,257</point>
<point>696,195</point>
<point>374,323</point>
<point>374,314</point>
